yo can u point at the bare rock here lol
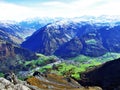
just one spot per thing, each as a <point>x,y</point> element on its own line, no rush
<point>7,85</point>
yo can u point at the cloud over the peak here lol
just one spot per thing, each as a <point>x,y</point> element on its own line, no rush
<point>18,10</point>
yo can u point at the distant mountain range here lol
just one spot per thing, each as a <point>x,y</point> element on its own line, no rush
<point>72,37</point>
<point>17,32</point>
<point>65,37</point>
<point>9,32</point>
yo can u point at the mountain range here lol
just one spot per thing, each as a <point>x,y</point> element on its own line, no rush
<point>12,34</point>
<point>72,37</point>
<point>60,53</point>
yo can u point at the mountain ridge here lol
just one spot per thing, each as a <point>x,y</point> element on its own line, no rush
<point>93,36</point>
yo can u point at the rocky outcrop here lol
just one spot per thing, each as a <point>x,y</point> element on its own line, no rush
<point>11,82</point>
<point>106,76</point>
<point>7,85</point>
<point>38,82</point>
<point>56,82</point>
<point>52,81</point>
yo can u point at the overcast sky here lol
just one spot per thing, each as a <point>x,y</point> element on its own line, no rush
<point>21,9</point>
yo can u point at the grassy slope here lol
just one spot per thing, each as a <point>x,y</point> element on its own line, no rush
<point>82,63</point>
<point>41,61</point>
<point>107,57</point>
<point>72,67</point>
<point>67,70</point>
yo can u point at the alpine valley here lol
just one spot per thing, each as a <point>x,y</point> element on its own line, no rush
<point>60,53</point>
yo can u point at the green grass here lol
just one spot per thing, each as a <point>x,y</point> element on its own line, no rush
<point>45,68</point>
<point>67,70</point>
<point>41,61</point>
<point>1,74</point>
<point>84,63</point>
<point>91,41</point>
<point>107,57</point>
<point>81,58</point>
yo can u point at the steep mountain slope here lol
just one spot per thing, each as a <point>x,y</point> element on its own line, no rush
<point>12,56</point>
<point>9,32</point>
<point>106,76</point>
<point>68,47</point>
<point>49,38</point>
<point>19,31</point>
<point>59,38</point>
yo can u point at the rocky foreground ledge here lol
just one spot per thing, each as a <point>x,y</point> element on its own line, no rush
<point>7,85</point>
<point>42,82</point>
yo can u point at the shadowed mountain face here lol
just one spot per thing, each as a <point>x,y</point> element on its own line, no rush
<point>106,76</point>
<point>12,56</point>
<point>49,38</point>
<point>68,47</point>
<point>69,38</point>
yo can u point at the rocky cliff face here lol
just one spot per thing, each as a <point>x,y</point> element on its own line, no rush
<point>59,38</point>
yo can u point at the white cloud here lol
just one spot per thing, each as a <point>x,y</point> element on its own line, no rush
<point>60,9</point>
<point>11,11</point>
<point>83,7</point>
